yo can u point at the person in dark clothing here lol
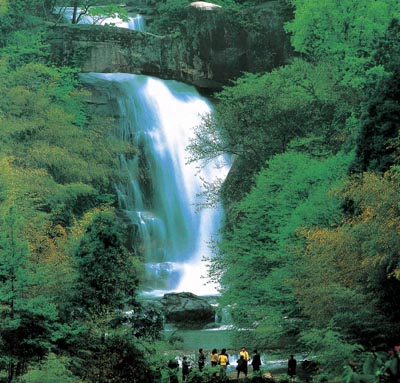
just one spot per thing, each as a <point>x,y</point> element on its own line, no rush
<point>201,359</point>
<point>256,361</point>
<point>241,366</point>
<point>173,367</point>
<point>185,368</point>
<point>292,364</point>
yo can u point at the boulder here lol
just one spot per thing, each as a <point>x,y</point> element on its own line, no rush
<point>187,309</point>
<point>204,5</point>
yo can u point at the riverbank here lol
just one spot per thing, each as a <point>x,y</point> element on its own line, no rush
<point>213,375</point>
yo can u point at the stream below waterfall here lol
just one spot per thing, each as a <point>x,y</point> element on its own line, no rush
<point>188,342</point>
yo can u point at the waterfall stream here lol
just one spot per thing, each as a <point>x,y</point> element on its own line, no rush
<point>136,23</point>
<point>162,189</point>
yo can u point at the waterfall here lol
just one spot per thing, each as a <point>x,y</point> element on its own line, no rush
<point>162,189</point>
<point>135,23</point>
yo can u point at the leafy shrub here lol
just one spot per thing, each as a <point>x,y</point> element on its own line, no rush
<point>53,369</point>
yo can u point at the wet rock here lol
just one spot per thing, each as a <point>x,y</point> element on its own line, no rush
<point>187,309</point>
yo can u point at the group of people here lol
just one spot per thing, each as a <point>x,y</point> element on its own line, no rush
<point>222,360</point>
<point>243,362</point>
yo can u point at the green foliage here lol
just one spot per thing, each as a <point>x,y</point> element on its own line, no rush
<point>23,47</point>
<point>348,278</point>
<point>52,369</point>
<point>333,351</point>
<point>99,14</point>
<point>18,15</point>
<point>146,321</point>
<point>377,367</point>
<point>107,272</point>
<point>343,31</point>
<point>56,171</point>
<point>106,354</point>
<point>260,115</point>
<point>263,240</point>
<point>171,16</point>
<point>43,120</point>
<point>27,318</point>
<point>377,146</point>
<point>208,375</point>
<point>375,202</point>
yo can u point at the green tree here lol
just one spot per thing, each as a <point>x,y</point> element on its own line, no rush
<point>81,8</point>
<point>104,353</point>
<point>260,115</point>
<point>18,15</point>
<point>345,32</point>
<point>52,369</point>
<point>28,320</point>
<point>263,240</point>
<point>348,279</point>
<point>377,146</point>
<point>107,273</point>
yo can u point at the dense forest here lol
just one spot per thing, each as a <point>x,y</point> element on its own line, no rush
<point>310,247</point>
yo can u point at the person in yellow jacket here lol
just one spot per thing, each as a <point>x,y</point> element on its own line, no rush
<point>214,357</point>
<point>245,354</point>
<point>223,361</point>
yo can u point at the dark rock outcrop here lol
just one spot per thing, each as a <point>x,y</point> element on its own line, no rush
<point>212,48</point>
<point>187,309</point>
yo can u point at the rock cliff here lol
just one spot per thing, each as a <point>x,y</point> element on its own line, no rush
<point>214,47</point>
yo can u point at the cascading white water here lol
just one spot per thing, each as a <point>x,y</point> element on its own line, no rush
<point>135,23</point>
<point>162,191</point>
<point>161,194</point>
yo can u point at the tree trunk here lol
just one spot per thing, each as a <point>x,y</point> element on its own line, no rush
<point>74,14</point>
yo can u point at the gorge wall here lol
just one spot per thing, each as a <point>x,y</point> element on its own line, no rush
<point>213,47</point>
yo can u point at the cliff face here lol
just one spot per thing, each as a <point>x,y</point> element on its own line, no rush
<point>214,47</point>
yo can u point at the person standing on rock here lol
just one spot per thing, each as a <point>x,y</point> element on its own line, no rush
<point>201,359</point>
<point>214,357</point>
<point>256,361</point>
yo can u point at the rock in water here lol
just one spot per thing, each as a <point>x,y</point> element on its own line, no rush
<point>187,309</point>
